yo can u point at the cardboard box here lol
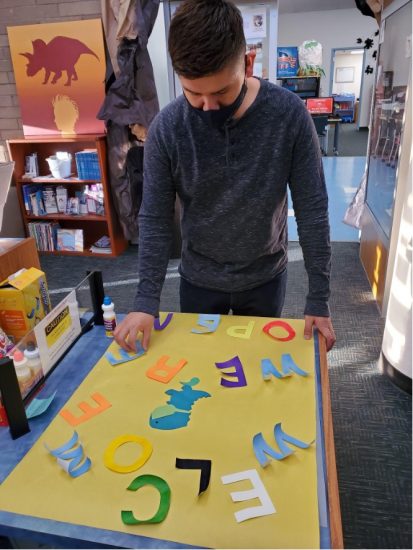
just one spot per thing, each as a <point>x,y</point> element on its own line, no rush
<point>24,301</point>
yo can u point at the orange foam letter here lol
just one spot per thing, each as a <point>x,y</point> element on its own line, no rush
<point>89,412</point>
<point>163,372</point>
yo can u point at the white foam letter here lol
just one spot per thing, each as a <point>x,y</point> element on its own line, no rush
<point>259,491</point>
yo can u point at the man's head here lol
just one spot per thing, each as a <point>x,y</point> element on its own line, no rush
<point>207,47</point>
<point>205,36</point>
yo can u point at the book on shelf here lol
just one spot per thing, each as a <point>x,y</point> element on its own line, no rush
<point>97,250</point>
<point>49,200</point>
<point>73,206</point>
<point>87,164</point>
<point>36,203</point>
<point>81,196</point>
<point>102,246</point>
<point>61,197</point>
<point>40,200</point>
<point>91,205</point>
<point>94,197</point>
<point>45,235</point>
<point>27,189</point>
<point>70,240</point>
<point>49,236</point>
<point>31,166</point>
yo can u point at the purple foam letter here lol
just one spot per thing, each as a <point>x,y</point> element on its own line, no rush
<point>238,373</point>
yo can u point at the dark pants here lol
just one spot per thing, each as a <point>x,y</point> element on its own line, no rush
<point>266,300</point>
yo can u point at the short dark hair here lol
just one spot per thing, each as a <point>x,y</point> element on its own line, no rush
<point>205,36</point>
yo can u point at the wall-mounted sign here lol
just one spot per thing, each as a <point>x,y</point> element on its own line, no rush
<point>255,22</point>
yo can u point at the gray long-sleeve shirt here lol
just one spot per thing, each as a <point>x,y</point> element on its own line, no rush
<point>232,186</point>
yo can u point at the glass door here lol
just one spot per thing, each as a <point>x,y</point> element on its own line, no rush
<point>393,72</point>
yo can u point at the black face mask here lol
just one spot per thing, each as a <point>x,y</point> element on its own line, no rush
<point>218,117</point>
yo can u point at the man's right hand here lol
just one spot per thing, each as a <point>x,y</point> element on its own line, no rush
<point>126,333</point>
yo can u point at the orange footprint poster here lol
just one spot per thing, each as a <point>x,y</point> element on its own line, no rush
<point>60,72</point>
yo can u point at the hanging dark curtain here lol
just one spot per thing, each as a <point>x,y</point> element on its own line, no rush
<point>131,99</point>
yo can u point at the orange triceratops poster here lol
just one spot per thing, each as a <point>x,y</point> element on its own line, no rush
<point>60,72</point>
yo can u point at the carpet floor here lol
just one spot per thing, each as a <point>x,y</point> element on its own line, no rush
<point>371,416</point>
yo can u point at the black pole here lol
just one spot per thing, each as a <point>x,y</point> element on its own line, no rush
<point>12,399</point>
<point>97,293</point>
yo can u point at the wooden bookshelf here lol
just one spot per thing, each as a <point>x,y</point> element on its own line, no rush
<point>94,226</point>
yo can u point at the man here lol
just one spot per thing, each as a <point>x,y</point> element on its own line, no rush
<point>227,148</point>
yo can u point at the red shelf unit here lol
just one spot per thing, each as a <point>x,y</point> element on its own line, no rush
<point>93,226</point>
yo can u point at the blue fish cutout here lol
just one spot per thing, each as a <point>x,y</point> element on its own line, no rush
<point>186,397</point>
<point>176,413</point>
<point>168,417</point>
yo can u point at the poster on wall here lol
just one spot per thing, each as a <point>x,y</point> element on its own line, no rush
<point>287,61</point>
<point>60,71</point>
<point>255,22</point>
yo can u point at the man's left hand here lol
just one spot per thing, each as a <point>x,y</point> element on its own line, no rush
<point>324,325</point>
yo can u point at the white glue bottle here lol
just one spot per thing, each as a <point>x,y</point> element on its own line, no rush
<point>24,375</point>
<point>109,316</point>
<point>33,360</point>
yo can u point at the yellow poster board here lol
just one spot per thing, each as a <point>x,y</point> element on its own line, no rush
<point>221,428</point>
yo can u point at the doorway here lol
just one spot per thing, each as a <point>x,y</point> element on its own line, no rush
<point>346,77</point>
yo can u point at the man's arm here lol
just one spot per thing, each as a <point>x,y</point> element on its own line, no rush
<point>309,195</point>
<point>155,223</point>
<point>155,238</point>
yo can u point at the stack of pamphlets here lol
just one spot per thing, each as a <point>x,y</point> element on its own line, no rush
<point>49,200</point>
<point>61,198</point>
<point>31,166</point>
<point>102,246</point>
<point>40,200</point>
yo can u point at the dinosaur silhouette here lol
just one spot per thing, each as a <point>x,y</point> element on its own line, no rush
<point>60,54</point>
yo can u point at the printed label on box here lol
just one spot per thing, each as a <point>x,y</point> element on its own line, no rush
<point>58,331</point>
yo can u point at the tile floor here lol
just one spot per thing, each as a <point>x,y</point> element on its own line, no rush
<point>343,176</point>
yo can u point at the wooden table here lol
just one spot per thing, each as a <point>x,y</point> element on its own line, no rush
<point>66,379</point>
<point>333,497</point>
<point>16,254</point>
